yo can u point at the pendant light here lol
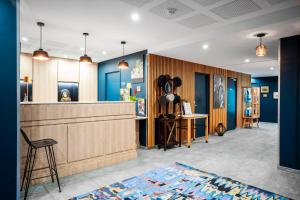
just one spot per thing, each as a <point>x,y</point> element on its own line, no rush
<point>261,50</point>
<point>85,58</point>
<point>123,64</point>
<point>40,54</point>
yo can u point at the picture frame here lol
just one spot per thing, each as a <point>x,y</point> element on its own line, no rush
<point>137,72</point>
<point>264,89</point>
<point>219,91</point>
<point>275,95</point>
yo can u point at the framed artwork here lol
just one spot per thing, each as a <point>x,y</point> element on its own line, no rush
<point>141,106</point>
<point>67,91</point>
<point>219,91</point>
<point>265,95</point>
<point>275,95</point>
<point>264,89</point>
<point>137,72</point>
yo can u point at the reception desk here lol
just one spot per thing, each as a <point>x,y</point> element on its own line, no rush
<point>90,135</point>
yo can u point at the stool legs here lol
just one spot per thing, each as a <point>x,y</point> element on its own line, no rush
<point>54,166</point>
<point>26,166</point>
<point>49,164</point>
<point>28,175</point>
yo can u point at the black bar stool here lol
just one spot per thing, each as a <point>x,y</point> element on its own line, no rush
<point>33,146</point>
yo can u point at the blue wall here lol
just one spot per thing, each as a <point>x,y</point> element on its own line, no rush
<point>289,125</point>
<point>268,105</point>
<point>9,101</point>
<point>112,66</point>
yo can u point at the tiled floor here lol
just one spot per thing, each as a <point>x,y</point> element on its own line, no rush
<point>246,155</point>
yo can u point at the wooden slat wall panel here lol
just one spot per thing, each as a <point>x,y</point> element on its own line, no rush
<point>158,65</point>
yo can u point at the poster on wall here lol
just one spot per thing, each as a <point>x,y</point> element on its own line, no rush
<point>264,89</point>
<point>275,95</point>
<point>141,106</point>
<point>219,91</point>
<point>67,91</point>
<point>137,73</point>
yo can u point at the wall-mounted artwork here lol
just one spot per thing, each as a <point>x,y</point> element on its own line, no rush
<point>264,89</point>
<point>141,106</point>
<point>67,91</point>
<point>25,91</point>
<point>137,73</point>
<point>219,91</point>
<point>275,95</point>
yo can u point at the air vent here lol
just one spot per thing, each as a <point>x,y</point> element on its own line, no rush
<point>236,8</point>
<point>197,21</point>
<point>206,2</point>
<point>275,2</point>
<point>171,9</point>
<point>137,3</point>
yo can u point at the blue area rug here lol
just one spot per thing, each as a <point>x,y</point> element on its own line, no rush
<point>178,182</point>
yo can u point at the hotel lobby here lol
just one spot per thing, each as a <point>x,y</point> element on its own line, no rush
<point>150,99</point>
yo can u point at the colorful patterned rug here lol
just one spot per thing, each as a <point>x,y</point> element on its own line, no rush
<point>179,182</point>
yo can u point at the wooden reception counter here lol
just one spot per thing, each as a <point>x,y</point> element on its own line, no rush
<point>89,135</point>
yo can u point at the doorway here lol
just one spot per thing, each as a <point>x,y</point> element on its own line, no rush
<point>201,101</point>
<point>231,103</point>
<point>113,85</point>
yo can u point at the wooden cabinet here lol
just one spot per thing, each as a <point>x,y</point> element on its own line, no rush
<point>251,105</point>
<point>45,76</point>
<point>45,80</point>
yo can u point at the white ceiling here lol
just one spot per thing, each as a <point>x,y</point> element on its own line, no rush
<point>227,26</point>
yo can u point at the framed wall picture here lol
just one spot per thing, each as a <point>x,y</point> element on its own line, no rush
<point>141,107</point>
<point>219,91</point>
<point>264,89</point>
<point>275,95</point>
<point>137,72</point>
<point>67,91</point>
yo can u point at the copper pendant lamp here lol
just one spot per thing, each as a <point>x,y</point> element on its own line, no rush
<point>85,58</point>
<point>261,50</point>
<point>123,64</point>
<point>40,54</point>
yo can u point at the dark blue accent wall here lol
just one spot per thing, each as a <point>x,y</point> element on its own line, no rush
<point>9,101</point>
<point>112,66</point>
<point>289,121</point>
<point>268,105</point>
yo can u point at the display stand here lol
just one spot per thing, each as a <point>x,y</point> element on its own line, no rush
<point>251,106</point>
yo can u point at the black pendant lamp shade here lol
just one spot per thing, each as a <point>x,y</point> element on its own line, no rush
<point>85,58</point>
<point>123,64</point>
<point>40,54</point>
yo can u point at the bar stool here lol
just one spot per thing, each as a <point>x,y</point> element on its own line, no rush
<point>33,146</point>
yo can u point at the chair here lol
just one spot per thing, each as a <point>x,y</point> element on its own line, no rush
<point>33,146</point>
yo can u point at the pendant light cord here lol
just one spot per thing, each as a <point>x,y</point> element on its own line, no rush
<point>41,35</point>
<point>123,51</point>
<point>260,39</point>
<point>84,44</point>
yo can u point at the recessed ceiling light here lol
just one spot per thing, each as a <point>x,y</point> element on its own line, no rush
<point>135,17</point>
<point>25,39</point>
<point>81,49</point>
<point>104,52</point>
<point>272,68</point>
<point>247,60</point>
<point>205,46</point>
